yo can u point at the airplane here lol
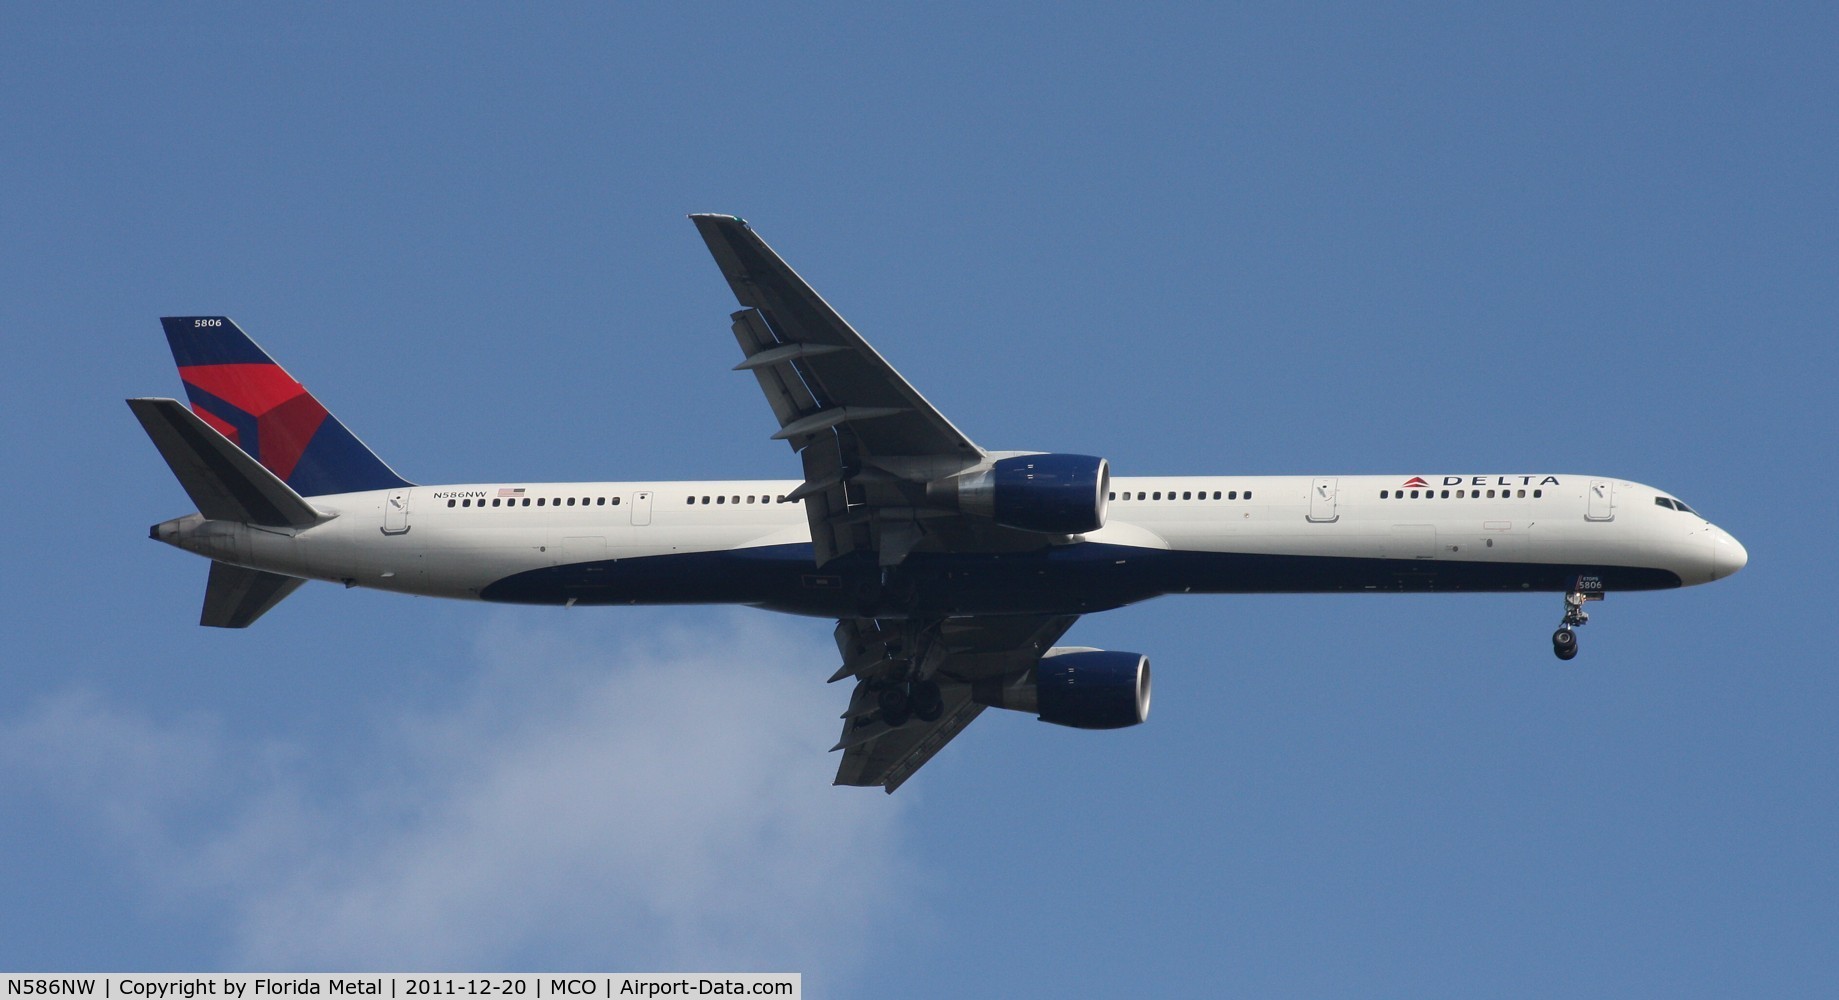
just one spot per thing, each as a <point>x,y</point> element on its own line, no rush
<point>951,570</point>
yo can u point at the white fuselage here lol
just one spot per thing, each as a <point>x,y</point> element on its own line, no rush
<point>639,542</point>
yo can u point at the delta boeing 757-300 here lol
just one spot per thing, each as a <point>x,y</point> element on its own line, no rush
<point>951,570</point>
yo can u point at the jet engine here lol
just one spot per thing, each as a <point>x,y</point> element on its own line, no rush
<point>1057,494</point>
<point>1081,688</point>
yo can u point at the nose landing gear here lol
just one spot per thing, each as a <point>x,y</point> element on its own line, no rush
<point>1564,641</point>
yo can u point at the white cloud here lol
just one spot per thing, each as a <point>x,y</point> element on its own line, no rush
<point>589,803</point>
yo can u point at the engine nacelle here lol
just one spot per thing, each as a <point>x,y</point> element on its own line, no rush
<point>1082,688</point>
<point>1059,494</point>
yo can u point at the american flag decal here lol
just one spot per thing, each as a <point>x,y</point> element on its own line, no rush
<point>506,491</point>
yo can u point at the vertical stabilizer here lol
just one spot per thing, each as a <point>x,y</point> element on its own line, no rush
<point>235,387</point>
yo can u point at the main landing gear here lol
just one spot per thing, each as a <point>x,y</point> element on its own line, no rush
<point>893,662</point>
<point>901,701</point>
<point>1564,641</point>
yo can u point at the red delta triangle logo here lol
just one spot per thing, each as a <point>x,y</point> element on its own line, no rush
<point>1415,481</point>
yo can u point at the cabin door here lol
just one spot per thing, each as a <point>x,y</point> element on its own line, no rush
<point>1322,500</point>
<point>396,512</point>
<point>1602,500</point>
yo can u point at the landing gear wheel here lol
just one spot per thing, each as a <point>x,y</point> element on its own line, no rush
<point>1564,643</point>
<point>896,706</point>
<point>1583,591</point>
<point>925,701</point>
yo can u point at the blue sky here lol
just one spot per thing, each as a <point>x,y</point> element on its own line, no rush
<point>1588,239</point>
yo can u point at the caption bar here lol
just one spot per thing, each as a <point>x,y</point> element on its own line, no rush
<point>272,986</point>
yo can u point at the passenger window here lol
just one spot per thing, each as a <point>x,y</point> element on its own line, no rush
<point>497,503</point>
<point>539,501</point>
<point>1446,494</point>
<point>600,501</point>
<point>1522,494</point>
<point>1538,493</point>
<point>1490,494</point>
<point>452,503</point>
<point>571,501</point>
<point>1414,494</point>
<point>1248,494</point>
<point>721,499</point>
<point>1216,494</point>
<point>737,499</point>
<point>1233,495</point>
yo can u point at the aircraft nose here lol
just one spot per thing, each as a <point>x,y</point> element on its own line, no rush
<point>1727,554</point>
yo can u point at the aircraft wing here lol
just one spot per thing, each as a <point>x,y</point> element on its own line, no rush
<point>958,653</point>
<point>868,439</point>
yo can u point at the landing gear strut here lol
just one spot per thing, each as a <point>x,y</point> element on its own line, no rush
<point>1564,641</point>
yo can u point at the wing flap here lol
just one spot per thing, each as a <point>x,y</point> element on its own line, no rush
<point>954,652</point>
<point>889,757</point>
<point>836,366</point>
<point>868,440</point>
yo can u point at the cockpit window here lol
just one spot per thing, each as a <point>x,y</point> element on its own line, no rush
<point>1681,505</point>
<point>1665,502</point>
<point>1672,504</point>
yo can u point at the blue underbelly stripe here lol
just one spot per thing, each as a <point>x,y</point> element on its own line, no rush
<point>1061,580</point>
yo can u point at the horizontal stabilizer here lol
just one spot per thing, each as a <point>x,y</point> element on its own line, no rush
<point>225,483</point>
<point>235,596</point>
